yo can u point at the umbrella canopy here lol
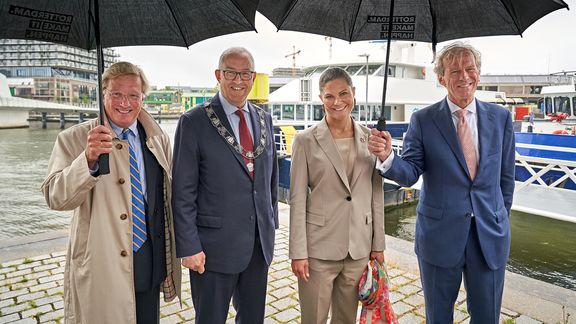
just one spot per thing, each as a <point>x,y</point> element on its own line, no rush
<point>126,22</point>
<point>94,24</point>
<point>411,20</point>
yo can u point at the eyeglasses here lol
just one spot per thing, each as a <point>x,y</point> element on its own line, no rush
<point>119,96</point>
<point>231,75</point>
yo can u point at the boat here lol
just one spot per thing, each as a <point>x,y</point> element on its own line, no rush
<point>556,113</point>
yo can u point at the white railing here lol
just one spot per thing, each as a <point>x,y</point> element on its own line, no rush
<point>538,167</point>
<point>282,143</point>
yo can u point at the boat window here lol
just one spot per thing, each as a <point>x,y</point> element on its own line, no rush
<point>276,112</point>
<point>391,71</point>
<point>562,105</point>
<point>376,112</point>
<point>299,112</point>
<point>548,106</point>
<point>288,112</point>
<point>573,106</point>
<point>354,113</point>
<point>353,69</point>
<point>363,112</point>
<point>318,112</point>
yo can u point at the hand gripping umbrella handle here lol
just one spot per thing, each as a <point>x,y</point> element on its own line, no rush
<point>381,126</point>
<point>104,164</point>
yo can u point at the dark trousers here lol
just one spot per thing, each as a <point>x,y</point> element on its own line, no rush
<point>212,292</point>
<point>484,286</point>
<point>148,306</point>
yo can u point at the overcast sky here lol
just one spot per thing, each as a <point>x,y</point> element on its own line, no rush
<point>548,46</point>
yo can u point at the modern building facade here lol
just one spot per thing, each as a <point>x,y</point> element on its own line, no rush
<point>526,87</point>
<point>51,72</point>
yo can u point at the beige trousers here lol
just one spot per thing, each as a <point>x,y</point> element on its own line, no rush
<point>332,285</point>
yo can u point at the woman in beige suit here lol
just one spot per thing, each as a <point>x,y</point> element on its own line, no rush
<point>336,207</point>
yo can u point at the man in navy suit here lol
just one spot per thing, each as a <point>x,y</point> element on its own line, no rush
<point>464,150</point>
<point>225,196</point>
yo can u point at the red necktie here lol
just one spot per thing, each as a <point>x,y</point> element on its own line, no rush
<point>246,141</point>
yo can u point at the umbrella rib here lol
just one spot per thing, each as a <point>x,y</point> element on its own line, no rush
<point>513,17</point>
<point>354,21</point>
<point>287,13</point>
<point>243,14</point>
<point>176,22</point>
<point>434,36</point>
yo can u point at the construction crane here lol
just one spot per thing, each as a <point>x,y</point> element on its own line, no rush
<point>293,54</point>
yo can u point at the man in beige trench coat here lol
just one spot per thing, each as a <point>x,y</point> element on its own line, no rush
<point>114,273</point>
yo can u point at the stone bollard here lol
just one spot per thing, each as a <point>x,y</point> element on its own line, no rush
<point>80,118</point>
<point>62,121</point>
<point>44,120</point>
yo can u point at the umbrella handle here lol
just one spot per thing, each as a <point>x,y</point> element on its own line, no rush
<point>381,126</point>
<point>103,163</point>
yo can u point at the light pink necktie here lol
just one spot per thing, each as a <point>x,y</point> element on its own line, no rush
<point>466,142</point>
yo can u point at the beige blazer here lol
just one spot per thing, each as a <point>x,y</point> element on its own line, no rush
<point>330,215</point>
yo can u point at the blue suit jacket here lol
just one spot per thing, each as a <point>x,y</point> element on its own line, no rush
<point>216,204</point>
<point>449,197</point>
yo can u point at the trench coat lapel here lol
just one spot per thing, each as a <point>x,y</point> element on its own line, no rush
<point>328,146</point>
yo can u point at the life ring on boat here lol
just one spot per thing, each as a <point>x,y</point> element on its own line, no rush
<point>560,131</point>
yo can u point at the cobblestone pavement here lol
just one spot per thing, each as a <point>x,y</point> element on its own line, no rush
<point>31,292</point>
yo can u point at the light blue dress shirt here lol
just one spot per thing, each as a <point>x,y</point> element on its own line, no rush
<point>233,119</point>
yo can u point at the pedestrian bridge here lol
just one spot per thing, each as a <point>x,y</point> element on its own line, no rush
<point>14,111</point>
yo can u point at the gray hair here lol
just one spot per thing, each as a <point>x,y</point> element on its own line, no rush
<point>456,50</point>
<point>235,51</point>
<point>334,73</point>
<point>124,68</point>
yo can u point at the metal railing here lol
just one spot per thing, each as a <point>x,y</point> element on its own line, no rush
<point>539,167</point>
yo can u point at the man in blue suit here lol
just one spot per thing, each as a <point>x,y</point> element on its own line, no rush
<point>225,196</point>
<point>464,150</point>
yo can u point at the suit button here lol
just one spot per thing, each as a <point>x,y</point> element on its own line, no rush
<point>118,146</point>
<point>124,253</point>
<point>348,198</point>
<point>468,215</point>
<point>123,216</point>
<point>121,181</point>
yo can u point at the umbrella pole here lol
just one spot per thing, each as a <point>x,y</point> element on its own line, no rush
<point>382,120</point>
<point>103,159</point>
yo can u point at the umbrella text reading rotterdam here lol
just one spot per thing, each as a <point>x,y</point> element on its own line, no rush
<point>412,20</point>
<point>94,24</point>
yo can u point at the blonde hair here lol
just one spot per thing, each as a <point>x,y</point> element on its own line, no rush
<point>124,68</point>
<point>456,50</point>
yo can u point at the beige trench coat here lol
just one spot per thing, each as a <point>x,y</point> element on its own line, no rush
<point>98,278</point>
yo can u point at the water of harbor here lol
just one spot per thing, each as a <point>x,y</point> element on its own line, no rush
<point>542,248</point>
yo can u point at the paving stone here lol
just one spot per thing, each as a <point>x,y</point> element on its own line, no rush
<point>523,319</point>
<point>6,302</point>
<point>56,277</point>
<point>12,263</point>
<point>55,291</point>
<point>410,318</point>
<point>188,314</point>
<point>174,318</point>
<point>282,282</point>
<point>51,316</point>
<point>56,260</point>
<point>28,265</point>
<point>394,272</point>
<point>40,257</point>
<point>402,308</point>
<point>45,267</point>
<point>5,270</point>
<point>269,310</point>
<point>37,275</point>
<point>48,300</point>
<point>9,318</point>
<point>36,311</point>
<point>460,316</point>
<point>400,281</point>
<point>282,292</point>
<point>31,296</point>
<point>414,300</point>
<point>395,296</point>
<point>18,273</point>
<point>25,321</point>
<point>58,254</point>
<point>287,316</point>
<point>408,290</point>
<point>284,303</point>
<point>14,293</point>
<point>24,284</point>
<point>58,304</point>
<point>58,270</point>
<point>508,312</point>
<point>44,286</point>
<point>461,297</point>
<point>170,309</point>
<point>15,308</point>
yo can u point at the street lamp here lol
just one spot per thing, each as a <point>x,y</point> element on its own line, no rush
<point>366,55</point>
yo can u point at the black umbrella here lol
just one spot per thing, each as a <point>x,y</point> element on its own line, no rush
<point>94,24</point>
<point>411,20</point>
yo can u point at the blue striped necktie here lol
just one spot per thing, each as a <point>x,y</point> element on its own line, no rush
<point>138,215</point>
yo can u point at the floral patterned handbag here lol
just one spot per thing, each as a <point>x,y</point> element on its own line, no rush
<point>373,294</point>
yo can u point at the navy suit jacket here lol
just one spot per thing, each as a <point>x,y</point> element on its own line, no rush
<point>216,203</point>
<point>449,197</point>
